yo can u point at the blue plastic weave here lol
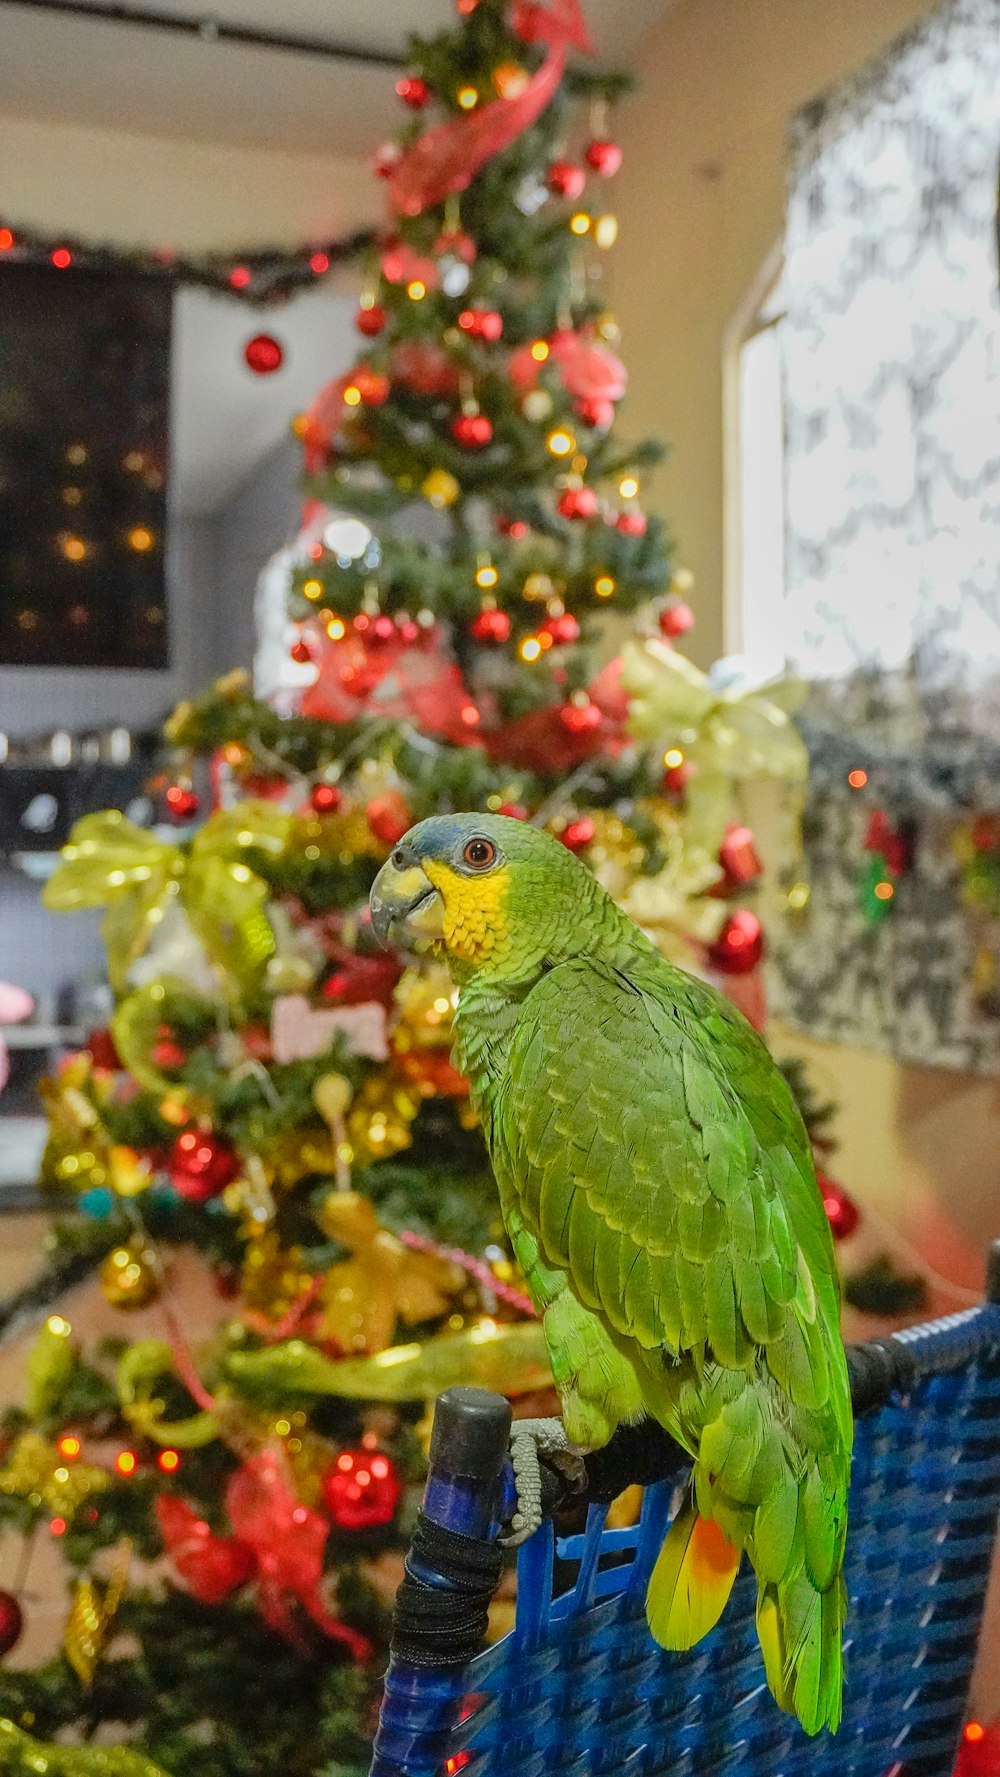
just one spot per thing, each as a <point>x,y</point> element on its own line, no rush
<point>579,1689</point>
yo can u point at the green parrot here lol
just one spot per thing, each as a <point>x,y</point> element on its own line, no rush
<point>658,1189</point>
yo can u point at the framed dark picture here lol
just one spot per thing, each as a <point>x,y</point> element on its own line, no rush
<point>84,413</point>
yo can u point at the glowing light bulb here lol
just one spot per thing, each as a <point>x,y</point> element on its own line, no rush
<point>416,290</point>
<point>313,589</point>
<point>604,586</point>
<point>580,222</point>
<point>531,648</point>
<point>487,577</point>
<point>561,443</point>
<point>467,97</point>
<point>672,758</point>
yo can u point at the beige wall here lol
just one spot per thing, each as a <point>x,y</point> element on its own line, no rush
<point>701,198</point>
<point>195,197</point>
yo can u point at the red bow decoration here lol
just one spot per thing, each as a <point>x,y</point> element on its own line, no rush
<point>447,158</point>
<point>322,423</point>
<point>543,741</point>
<point>277,1540</point>
<point>211,1566</point>
<point>396,679</point>
<point>588,369</point>
<point>287,1540</point>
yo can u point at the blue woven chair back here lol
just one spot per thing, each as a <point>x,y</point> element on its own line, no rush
<point>579,1688</point>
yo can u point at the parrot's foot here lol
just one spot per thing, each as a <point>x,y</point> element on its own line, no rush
<point>530,1439</point>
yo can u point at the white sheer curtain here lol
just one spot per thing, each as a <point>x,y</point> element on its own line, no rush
<point>891,343</point>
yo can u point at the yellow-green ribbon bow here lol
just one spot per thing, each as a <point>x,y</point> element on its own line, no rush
<point>135,875</point>
<point>727,732</point>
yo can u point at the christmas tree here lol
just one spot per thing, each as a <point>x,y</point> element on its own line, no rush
<point>272,1088</point>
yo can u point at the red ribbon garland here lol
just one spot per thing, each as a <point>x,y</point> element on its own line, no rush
<point>447,159</point>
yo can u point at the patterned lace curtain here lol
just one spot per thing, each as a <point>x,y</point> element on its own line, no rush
<point>891,348</point>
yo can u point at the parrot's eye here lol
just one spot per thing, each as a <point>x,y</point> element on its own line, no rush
<point>479,854</point>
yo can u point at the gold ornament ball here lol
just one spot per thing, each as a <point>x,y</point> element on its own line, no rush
<point>440,488</point>
<point>128,1276</point>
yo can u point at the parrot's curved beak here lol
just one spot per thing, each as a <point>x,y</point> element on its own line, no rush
<point>405,905</point>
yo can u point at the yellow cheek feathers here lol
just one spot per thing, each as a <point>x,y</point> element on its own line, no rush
<point>475,926</point>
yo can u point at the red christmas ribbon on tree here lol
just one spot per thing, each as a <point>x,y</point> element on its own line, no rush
<point>447,159</point>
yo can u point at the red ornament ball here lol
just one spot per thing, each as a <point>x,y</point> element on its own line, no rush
<point>515,811</point>
<point>514,528</point>
<point>362,1490</point>
<point>842,1212</point>
<point>11,1622</point>
<point>740,944</point>
<point>738,857</point>
<point>580,718</point>
<point>325,798</point>
<point>563,630</point>
<point>577,835</point>
<point>264,354</point>
<point>388,817</point>
<point>632,523</point>
<point>200,1165</point>
<point>481,323</point>
<point>371,321</point>
<point>676,619</point>
<point>578,502</point>
<point>490,626</point>
<point>596,411</point>
<point>471,430</point>
<point>413,91</point>
<point>168,1055</point>
<point>605,157</point>
<point>301,653</point>
<point>182,803</point>
<point>566,180</point>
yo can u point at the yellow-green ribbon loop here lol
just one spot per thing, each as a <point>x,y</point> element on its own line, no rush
<point>739,730</point>
<point>139,1370</point>
<point>111,863</point>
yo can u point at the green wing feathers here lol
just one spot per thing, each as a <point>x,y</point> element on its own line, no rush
<point>644,1137</point>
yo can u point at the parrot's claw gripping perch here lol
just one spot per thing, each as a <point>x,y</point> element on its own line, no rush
<point>531,1439</point>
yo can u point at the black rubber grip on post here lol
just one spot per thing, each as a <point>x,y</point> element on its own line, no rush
<point>471,1433</point>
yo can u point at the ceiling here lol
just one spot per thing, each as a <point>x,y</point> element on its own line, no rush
<point>90,70</point>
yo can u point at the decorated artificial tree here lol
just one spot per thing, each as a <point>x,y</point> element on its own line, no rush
<point>273,1088</point>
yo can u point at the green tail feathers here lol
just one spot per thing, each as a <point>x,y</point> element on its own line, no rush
<point>800,1623</point>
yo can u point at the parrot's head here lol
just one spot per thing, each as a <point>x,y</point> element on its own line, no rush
<point>499,896</point>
